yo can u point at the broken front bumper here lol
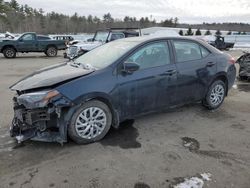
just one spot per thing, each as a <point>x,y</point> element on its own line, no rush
<point>41,124</point>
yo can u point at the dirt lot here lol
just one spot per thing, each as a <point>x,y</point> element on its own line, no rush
<point>159,150</point>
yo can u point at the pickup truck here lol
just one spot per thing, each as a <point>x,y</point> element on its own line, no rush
<point>100,38</point>
<point>30,42</point>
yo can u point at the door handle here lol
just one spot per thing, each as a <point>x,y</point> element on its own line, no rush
<point>170,72</point>
<point>210,64</point>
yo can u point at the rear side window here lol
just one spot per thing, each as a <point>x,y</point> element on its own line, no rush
<point>42,38</point>
<point>187,51</point>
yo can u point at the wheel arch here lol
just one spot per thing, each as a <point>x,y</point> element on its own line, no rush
<point>94,96</point>
<point>8,46</point>
<point>51,45</point>
<point>220,76</point>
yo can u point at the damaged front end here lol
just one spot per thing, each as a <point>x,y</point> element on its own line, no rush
<point>244,62</point>
<point>40,116</point>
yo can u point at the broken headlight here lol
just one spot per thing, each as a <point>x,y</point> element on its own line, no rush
<point>37,99</point>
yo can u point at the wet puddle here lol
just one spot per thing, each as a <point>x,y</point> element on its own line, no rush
<point>141,185</point>
<point>125,136</point>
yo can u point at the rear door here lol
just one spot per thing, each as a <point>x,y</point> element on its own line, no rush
<point>152,87</point>
<point>196,65</point>
<point>27,43</point>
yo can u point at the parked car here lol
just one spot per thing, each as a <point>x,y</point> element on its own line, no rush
<point>30,42</point>
<point>65,38</point>
<point>101,37</point>
<point>244,62</point>
<point>120,80</point>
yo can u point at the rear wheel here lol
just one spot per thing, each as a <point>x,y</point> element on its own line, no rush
<point>215,95</point>
<point>90,122</point>
<point>9,52</point>
<point>51,51</point>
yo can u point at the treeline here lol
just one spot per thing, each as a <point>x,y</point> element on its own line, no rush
<point>240,27</point>
<point>22,18</point>
<point>18,18</point>
<point>190,32</point>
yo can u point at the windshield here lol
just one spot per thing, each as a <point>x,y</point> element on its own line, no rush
<point>101,36</point>
<point>105,55</point>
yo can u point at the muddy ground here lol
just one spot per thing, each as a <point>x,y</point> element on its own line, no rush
<point>158,150</point>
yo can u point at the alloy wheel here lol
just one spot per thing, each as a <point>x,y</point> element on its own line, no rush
<point>217,95</point>
<point>90,122</point>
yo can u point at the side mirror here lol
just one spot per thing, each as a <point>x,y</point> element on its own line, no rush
<point>21,40</point>
<point>130,67</point>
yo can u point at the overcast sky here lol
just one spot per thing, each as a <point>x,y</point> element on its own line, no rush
<point>188,11</point>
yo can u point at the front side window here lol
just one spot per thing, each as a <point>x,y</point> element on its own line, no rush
<point>187,51</point>
<point>27,37</point>
<point>101,36</point>
<point>152,55</point>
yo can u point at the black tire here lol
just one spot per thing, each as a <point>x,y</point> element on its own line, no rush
<point>9,52</point>
<point>72,130</point>
<point>51,51</point>
<point>209,101</point>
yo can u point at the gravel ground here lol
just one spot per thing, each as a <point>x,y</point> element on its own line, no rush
<point>158,150</point>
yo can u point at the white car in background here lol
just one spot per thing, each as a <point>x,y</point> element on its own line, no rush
<point>101,37</point>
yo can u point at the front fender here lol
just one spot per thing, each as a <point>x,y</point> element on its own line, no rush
<point>68,114</point>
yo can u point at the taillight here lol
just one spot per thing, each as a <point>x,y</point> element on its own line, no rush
<point>231,60</point>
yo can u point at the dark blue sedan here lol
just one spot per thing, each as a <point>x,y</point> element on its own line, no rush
<point>120,80</point>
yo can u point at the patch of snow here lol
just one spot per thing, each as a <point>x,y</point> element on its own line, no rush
<point>235,86</point>
<point>187,144</point>
<point>194,182</point>
<point>206,176</point>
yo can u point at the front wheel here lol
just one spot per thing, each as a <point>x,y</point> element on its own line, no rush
<point>51,51</point>
<point>90,123</point>
<point>9,52</point>
<point>215,95</point>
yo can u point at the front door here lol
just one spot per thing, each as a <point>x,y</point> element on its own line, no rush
<point>152,87</point>
<point>27,43</point>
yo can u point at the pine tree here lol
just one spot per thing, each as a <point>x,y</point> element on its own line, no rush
<point>208,32</point>
<point>218,32</point>
<point>181,32</point>
<point>189,32</point>
<point>198,32</point>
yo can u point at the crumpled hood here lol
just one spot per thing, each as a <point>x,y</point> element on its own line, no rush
<point>49,76</point>
<point>88,45</point>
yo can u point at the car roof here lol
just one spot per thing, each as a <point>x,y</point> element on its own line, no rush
<point>154,37</point>
<point>144,39</point>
